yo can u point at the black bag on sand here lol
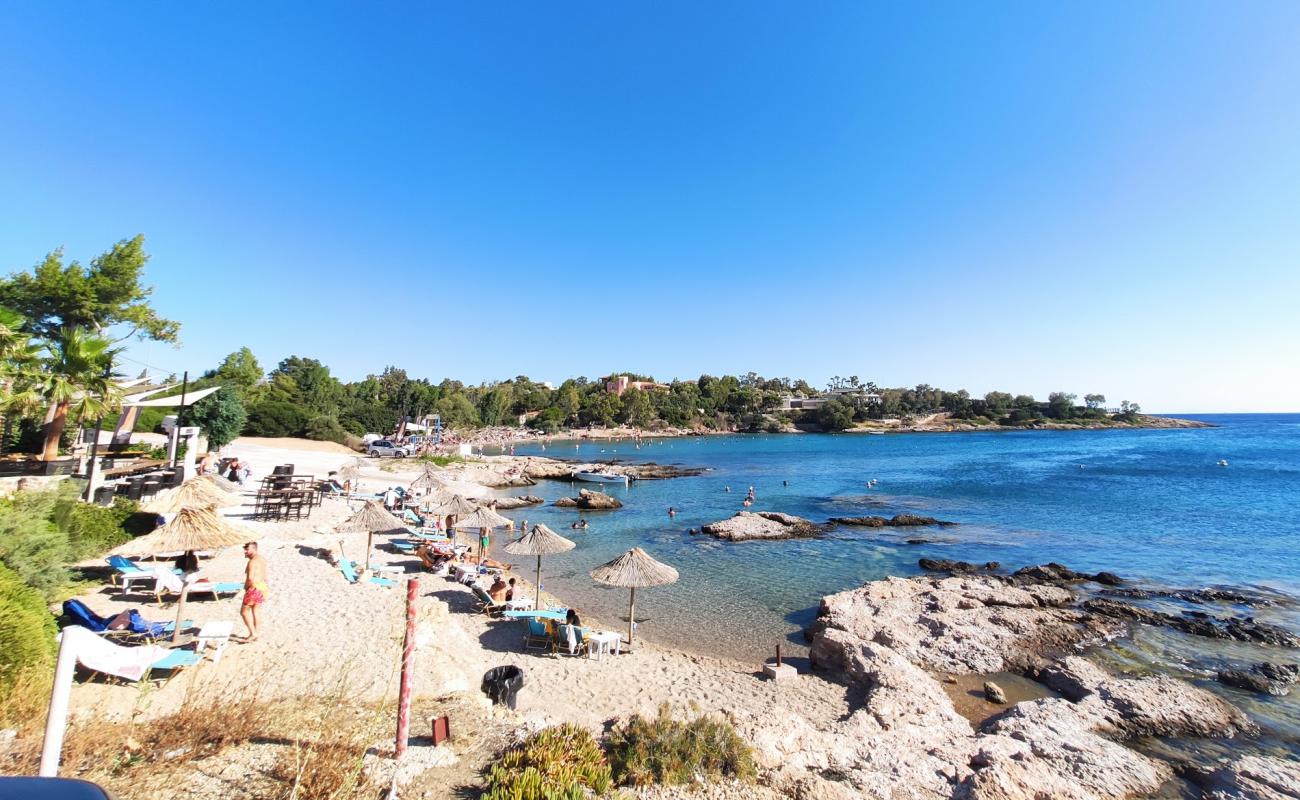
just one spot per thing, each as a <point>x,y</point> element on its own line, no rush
<point>502,685</point>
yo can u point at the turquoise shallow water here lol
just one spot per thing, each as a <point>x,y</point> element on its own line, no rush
<point>1148,504</point>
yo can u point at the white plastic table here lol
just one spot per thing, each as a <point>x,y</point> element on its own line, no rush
<point>601,642</point>
<point>217,634</point>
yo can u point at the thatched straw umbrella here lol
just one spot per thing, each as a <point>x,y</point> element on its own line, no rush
<point>448,505</point>
<point>540,541</point>
<point>191,494</point>
<point>190,529</point>
<point>483,519</point>
<point>429,479</point>
<point>351,472</point>
<point>370,519</point>
<point>634,569</point>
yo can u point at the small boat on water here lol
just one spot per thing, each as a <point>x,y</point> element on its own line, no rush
<point>601,477</point>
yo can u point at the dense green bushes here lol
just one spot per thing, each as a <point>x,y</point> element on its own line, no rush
<point>564,762</point>
<point>26,628</point>
<point>669,749</point>
<point>275,418</point>
<point>40,534</point>
<point>555,763</point>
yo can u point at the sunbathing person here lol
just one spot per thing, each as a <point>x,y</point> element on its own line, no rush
<point>498,590</point>
<point>432,560</point>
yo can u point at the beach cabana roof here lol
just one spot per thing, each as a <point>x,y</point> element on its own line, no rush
<point>190,529</point>
<point>371,518</point>
<point>351,470</point>
<point>220,484</point>
<point>428,480</point>
<point>483,518</point>
<point>191,494</point>
<point>540,541</point>
<point>634,569</point>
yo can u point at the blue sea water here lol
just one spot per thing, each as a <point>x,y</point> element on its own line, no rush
<point>1150,505</point>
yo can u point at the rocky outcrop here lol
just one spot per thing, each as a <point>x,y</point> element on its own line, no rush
<point>748,525</point>
<point>889,638</point>
<point>1264,678</point>
<point>507,503</point>
<point>1139,707</point>
<point>958,625</point>
<point>589,501</point>
<point>1250,778</point>
<point>1241,629</point>
<point>956,567</point>
<point>1198,596</point>
<point>896,521</point>
<point>551,469</point>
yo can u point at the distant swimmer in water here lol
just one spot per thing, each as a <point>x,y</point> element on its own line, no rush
<point>726,488</point>
<point>579,525</point>
<point>672,512</point>
<point>1223,462</point>
<point>747,503</point>
<point>785,483</point>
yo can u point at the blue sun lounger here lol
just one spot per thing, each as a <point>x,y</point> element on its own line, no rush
<point>78,613</point>
<point>126,571</point>
<point>349,572</point>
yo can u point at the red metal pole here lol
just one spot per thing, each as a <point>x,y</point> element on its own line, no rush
<point>408,667</point>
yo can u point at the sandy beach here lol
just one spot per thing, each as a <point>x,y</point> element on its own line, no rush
<point>320,632</point>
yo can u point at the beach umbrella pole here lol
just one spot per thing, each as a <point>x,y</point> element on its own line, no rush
<point>180,611</point>
<point>631,617</point>
<point>538,604</point>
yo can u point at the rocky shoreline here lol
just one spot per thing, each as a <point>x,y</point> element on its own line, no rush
<point>901,643</point>
<point>747,526</point>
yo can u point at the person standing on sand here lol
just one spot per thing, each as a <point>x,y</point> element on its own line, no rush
<point>255,589</point>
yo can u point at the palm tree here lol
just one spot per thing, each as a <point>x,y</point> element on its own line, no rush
<point>19,369</point>
<point>77,382</point>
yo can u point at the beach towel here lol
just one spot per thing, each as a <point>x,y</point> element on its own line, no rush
<point>100,655</point>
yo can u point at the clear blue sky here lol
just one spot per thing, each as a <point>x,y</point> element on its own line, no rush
<point>1020,196</point>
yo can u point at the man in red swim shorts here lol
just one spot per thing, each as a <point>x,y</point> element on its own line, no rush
<point>255,588</point>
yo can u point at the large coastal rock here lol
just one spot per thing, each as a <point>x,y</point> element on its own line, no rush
<point>507,503</point>
<point>959,625</point>
<point>1241,629</point>
<point>1137,707</point>
<point>1251,778</point>
<point>590,501</point>
<point>905,738</point>
<point>747,525</point>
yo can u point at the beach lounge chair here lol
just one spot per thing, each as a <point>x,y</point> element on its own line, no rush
<point>127,625</point>
<point>486,604</point>
<point>350,572</point>
<point>127,571</point>
<point>170,583</point>
<point>102,657</point>
<point>570,641</point>
<point>538,636</point>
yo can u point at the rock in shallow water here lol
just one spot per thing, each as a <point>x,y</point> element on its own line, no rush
<point>1264,678</point>
<point>994,694</point>
<point>589,501</point>
<point>747,525</point>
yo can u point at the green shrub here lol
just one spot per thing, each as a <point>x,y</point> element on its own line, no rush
<point>275,418</point>
<point>148,420</point>
<point>26,629</point>
<point>325,429</point>
<point>555,763</point>
<point>220,415</point>
<point>31,545</point>
<point>667,749</point>
<point>93,529</point>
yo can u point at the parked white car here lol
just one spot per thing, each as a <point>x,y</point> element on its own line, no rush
<point>382,447</point>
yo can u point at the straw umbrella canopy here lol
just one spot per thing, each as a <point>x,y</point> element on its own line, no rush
<point>483,518</point>
<point>540,541</point>
<point>191,494</point>
<point>634,569</point>
<point>429,479</point>
<point>370,519</point>
<point>190,529</point>
<point>220,484</point>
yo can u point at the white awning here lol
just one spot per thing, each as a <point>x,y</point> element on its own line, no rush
<point>175,400</point>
